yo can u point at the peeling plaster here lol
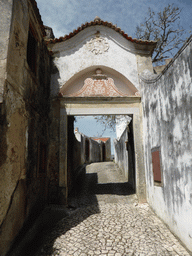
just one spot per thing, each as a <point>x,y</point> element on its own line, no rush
<point>73,56</point>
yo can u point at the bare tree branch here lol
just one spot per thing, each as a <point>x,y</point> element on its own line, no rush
<point>163,27</point>
<point>107,121</point>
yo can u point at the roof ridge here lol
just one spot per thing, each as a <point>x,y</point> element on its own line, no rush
<point>98,21</point>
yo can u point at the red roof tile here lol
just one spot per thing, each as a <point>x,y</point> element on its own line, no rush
<point>98,21</point>
<point>102,139</point>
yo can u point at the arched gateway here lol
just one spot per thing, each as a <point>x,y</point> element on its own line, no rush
<point>97,72</point>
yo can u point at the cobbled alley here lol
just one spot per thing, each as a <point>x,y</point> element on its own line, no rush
<point>106,219</point>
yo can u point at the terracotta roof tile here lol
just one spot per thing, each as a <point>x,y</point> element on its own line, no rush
<point>102,139</point>
<point>98,21</point>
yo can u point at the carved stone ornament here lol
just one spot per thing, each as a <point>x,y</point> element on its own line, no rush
<point>98,45</point>
<point>98,88</point>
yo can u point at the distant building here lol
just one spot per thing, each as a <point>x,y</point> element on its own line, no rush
<point>93,149</point>
<point>105,148</point>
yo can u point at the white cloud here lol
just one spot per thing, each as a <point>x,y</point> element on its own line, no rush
<point>64,16</point>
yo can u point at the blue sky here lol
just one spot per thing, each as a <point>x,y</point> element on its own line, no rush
<point>90,127</point>
<point>66,15</point>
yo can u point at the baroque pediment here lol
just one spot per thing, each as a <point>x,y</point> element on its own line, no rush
<point>99,85</point>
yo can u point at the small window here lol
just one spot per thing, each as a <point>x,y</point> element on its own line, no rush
<point>32,50</point>
<point>157,175</point>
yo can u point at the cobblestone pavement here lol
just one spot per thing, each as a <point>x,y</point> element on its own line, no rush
<point>109,222</point>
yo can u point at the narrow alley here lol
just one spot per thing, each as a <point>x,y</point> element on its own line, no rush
<point>105,219</point>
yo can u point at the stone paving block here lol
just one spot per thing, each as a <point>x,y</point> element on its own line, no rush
<point>111,227</point>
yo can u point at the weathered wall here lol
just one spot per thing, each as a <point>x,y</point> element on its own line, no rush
<point>95,149</point>
<point>108,150</point>
<point>5,23</point>
<point>81,151</point>
<point>53,154</point>
<point>24,123</point>
<point>167,101</point>
<point>76,59</point>
<point>105,148</point>
<point>125,154</point>
<point>79,158</point>
<point>79,140</point>
<point>121,152</point>
<point>74,152</point>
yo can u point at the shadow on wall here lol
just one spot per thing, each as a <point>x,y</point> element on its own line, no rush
<point>125,154</point>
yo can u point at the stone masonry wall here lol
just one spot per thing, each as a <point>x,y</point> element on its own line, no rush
<point>167,101</point>
<point>24,122</point>
<point>5,23</point>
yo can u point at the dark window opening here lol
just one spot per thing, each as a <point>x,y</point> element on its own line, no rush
<point>156,166</point>
<point>32,51</point>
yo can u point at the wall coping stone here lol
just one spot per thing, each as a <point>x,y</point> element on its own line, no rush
<point>148,77</point>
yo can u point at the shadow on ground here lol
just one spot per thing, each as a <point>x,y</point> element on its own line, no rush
<point>57,220</point>
<point>87,188</point>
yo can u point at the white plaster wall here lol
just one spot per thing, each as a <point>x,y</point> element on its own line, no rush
<point>122,121</point>
<point>168,124</point>
<point>78,136</point>
<point>5,23</point>
<point>73,56</point>
<point>121,153</point>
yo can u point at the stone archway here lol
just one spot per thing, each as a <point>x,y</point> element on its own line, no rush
<point>82,91</point>
<point>74,106</point>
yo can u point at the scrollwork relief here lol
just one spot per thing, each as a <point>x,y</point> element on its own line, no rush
<point>98,45</point>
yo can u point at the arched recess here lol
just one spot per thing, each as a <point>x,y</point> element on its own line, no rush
<point>98,105</point>
<point>76,83</point>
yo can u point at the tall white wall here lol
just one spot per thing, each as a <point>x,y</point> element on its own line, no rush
<point>167,108</point>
